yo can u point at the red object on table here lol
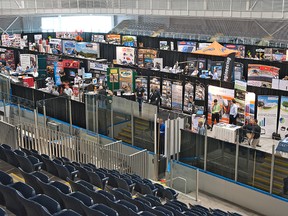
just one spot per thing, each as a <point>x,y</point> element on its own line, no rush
<point>29,81</point>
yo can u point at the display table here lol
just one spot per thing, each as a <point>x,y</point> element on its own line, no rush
<point>129,96</point>
<point>225,132</point>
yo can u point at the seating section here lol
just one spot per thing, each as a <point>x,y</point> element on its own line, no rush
<point>95,191</point>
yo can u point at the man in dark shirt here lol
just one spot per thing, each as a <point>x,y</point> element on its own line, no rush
<point>256,134</point>
<point>139,94</point>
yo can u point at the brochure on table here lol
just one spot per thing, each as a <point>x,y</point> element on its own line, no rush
<point>144,83</point>
<point>224,97</point>
<point>87,50</point>
<point>128,40</point>
<point>98,38</point>
<point>186,46</point>
<point>69,47</point>
<point>166,93</point>
<point>262,75</point>
<point>177,94</point>
<point>283,117</point>
<point>125,55</point>
<point>188,97</point>
<point>113,39</point>
<point>267,108</point>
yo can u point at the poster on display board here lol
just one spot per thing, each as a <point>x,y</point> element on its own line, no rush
<point>24,42</point>
<point>128,40</point>
<point>13,40</point>
<point>238,71</point>
<point>267,108</point>
<point>144,84</point>
<point>240,101</point>
<point>113,78</point>
<point>113,39</point>
<point>28,61</point>
<point>98,38</point>
<point>186,46</point>
<point>154,83</point>
<point>188,97</point>
<point>249,106</point>
<point>199,64</point>
<point>66,35</point>
<point>97,66</point>
<point>216,70</point>
<point>177,93</point>
<point>283,117</point>
<point>87,50</point>
<point>10,58</point>
<point>275,54</point>
<point>126,79</point>
<point>260,53</point>
<point>37,38</point>
<point>125,55</point>
<point>166,94</point>
<point>240,48</point>
<point>196,118</point>
<point>224,97</point>
<point>146,57</point>
<point>55,46</point>
<point>69,47</point>
<point>50,64</point>
<point>163,45</point>
<point>262,75</point>
<point>228,68</point>
<point>199,91</point>
<point>158,63</point>
<point>58,71</point>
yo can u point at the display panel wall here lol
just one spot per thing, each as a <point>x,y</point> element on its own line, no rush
<point>125,55</point>
<point>177,95</point>
<point>69,47</point>
<point>267,109</point>
<point>146,57</point>
<point>166,94</point>
<point>188,97</point>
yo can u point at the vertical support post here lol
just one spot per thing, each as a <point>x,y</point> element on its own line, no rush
<point>155,148</point>
<point>236,162</point>
<point>4,106</point>
<point>168,150</point>
<point>93,113</point>
<point>132,124</point>
<point>272,168</point>
<point>19,112</point>
<point>97,115</point>
<point>44,113</point>
<point>197,185</point>
<point>254,167</point>
<point>112,121</point>
<point>205,149</point>
<point>178,134</point>
<point>70,115</point>
<point>86,112</point>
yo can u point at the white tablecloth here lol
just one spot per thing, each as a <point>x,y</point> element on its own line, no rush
<point>225,132</point>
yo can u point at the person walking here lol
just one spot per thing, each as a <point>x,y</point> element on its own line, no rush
<point>215,112</point>
<point>139,94</point>
<point>233,114</point>
<point>256,134</point>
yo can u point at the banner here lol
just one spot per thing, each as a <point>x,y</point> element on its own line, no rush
<point>126,79</point>
<point>186,46</point>
<point>262,75</point>
<point>224,97</point>
<point>97,66</point>
<point>113,39</point>
<point>249,106</point>
<point>267,108</point>
<point>58,70</point>
<point>128,40</point>
<point>87,50</point>
<point>125,55</point>
<point>228,68</point>
<point>188,97</point>
<point>240,48</point>
<point>177,92</point>
<point>98,38</point>
<point>69,47</point>
<point>283,117</point>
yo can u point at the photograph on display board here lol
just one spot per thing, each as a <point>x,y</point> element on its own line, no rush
<point>144,83</point>
<point>126,79</point>
<point>224,99</point>
<point>146,58</point>
<point>240,101</point>
<point>69,47</point>
<point>50,63</point>
<point>283,117</point>
<point>199,91</point>
<point>186,46</point>
<point>87,50</point>
<point>154,83</point>
<point>58,72</point>
<point>128,40</point>
<point>177,92</point>
<point>238,71</point>
<point>67,35</point>
<point>163,45</point>
<point>55,46</point>
<point>262,75</point>
<point>260,54</point>
<point>188,97</point>
<point>158,63</point>
<point>216,70</point>
<point>13,40</point>
<point>267,108</point>
<point>275,54</point>
<point>98,38</point>
<point>240,48</point>
<point>113,39</point>
<point>166,93</point>
<point>125,55</point>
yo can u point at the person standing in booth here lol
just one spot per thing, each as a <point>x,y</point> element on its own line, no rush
<point>139,94</point>
<point>155,96</point>
<point>162,136</point>
<point>216,108</point>
<point>233,113</point>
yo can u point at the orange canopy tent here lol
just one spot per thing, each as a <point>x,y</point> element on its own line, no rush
<point>216,49</point>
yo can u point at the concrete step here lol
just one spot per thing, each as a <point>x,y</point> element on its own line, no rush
<point>138,127</point>
<point>123,139</point>
<point>277,168</point>
<point>266,181</point>
<point>267,175</point>
<point>142,122</point>
<point>125,134</point>
<point>266,188</point>
<point>278,161</point>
